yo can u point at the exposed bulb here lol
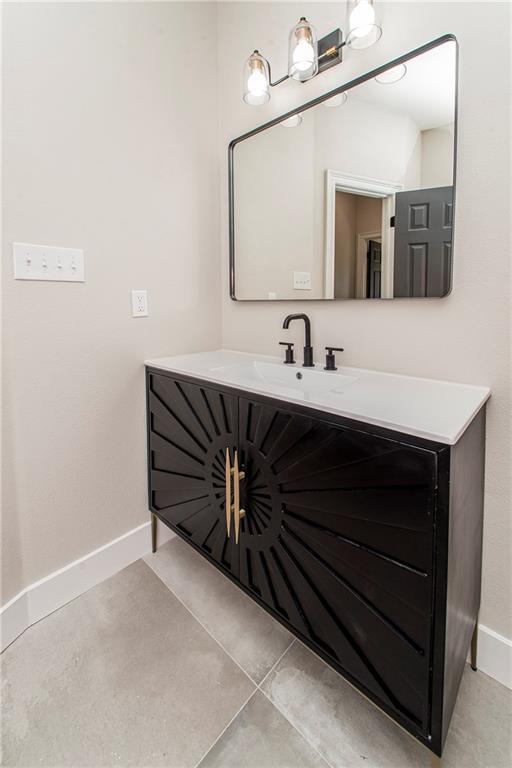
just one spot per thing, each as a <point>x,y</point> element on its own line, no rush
<point>303,56</point>
<point>257,84</point>
<point>302,51</point>
<point>362,19</point>
<point>256,80</point>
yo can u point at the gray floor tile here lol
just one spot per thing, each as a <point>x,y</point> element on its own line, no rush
<point>480,734</point>
<point>252,637</point>
<point>260,737</point>
<point>348,731</point>
<point>123,676</point>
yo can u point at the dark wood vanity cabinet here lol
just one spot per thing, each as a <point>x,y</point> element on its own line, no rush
<point>365,543</point>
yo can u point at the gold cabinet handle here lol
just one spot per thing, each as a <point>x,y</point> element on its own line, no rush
<point>228,490</point>
<point>235,486</point>
<point>238,513</point>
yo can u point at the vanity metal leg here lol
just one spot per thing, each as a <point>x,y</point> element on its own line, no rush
<point>153,532</point>
<point>474,644</point>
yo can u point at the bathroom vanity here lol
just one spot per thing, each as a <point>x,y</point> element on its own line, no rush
<point>348,504</point>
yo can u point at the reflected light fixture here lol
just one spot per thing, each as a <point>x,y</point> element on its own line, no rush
<point>392,75</point>
<point>292,122</point>
<point>336,101</point>
<point>308,57</point>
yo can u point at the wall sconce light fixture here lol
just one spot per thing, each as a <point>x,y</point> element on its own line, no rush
<point>306,56</point>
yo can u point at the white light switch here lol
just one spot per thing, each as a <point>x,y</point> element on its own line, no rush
<point>302,281</point>
<point>48,262</point>
<point>139,303</point>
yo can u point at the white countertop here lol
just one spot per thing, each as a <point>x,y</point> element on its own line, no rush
<point>434,410</point>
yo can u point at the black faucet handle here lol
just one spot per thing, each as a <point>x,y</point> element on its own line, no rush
<point>330,359</point>
<point>288,357</point>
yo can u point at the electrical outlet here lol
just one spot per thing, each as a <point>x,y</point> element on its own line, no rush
<point>139,303</point>
<point>302,281</point>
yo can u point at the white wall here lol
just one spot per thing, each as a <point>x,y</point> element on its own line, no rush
<point>464,337</point>
<point>109,145</point>
<point>437,156</point>
<point>274,211</point>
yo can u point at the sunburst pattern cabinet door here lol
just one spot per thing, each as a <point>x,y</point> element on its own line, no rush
<point>337,540</point>
<point>190,427</point>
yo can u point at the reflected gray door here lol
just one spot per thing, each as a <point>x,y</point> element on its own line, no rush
<point>423,242</point>
<point>373,271</point>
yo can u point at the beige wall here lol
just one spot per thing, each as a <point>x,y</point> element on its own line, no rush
<point>437,156</point>
<point>369,214</point>
<point>345,245</point>
<point>274,212</point>
<point>109,145</point>
<point>464,337</point>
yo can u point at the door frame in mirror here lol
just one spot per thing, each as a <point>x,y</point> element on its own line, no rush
<point>337,181</point>
<point>449,37</point>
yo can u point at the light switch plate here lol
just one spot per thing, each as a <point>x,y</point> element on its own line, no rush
<point>302,281</point>
<point>48,262</point>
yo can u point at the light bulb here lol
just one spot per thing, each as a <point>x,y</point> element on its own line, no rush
<point>256,80</point>
<point>302,51</point>
<point>363,27</point>
<point>362,18</point>
<point>303,56</point>
<point>257,84</point>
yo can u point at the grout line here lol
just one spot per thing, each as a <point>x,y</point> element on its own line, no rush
<point>203,626</point>
<point>315,749</point>
<point>226,728</point>
<point>276,663</point>
<point>247,701</point>
<point>258,685</point>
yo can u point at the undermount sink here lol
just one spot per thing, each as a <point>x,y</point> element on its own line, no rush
<point>284,380</point>
<point>435,410</point>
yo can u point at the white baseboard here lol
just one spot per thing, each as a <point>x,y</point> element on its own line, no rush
<point>494,655</point>
<point>45,596</point>
<point>58,588</point>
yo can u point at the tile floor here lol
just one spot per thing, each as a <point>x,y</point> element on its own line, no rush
<point>169,664</point>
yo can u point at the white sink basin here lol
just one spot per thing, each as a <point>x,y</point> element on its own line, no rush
<point>435,410</point>
<point>283,380</point>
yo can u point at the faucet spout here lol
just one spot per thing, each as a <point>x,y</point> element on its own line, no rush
<point>308,349</point>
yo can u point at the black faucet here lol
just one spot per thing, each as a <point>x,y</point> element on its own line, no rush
<point>308,349</point>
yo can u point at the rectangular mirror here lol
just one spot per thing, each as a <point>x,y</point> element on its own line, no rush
<point>352,195</point>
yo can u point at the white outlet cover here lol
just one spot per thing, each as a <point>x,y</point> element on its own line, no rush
<point>139,303</point>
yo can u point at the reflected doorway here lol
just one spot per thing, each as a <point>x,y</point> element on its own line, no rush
<point>357,246</point>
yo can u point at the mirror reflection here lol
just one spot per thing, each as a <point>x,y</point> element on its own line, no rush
<point>352,198</point>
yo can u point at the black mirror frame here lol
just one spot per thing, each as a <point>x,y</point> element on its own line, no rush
<point>313,103</point>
